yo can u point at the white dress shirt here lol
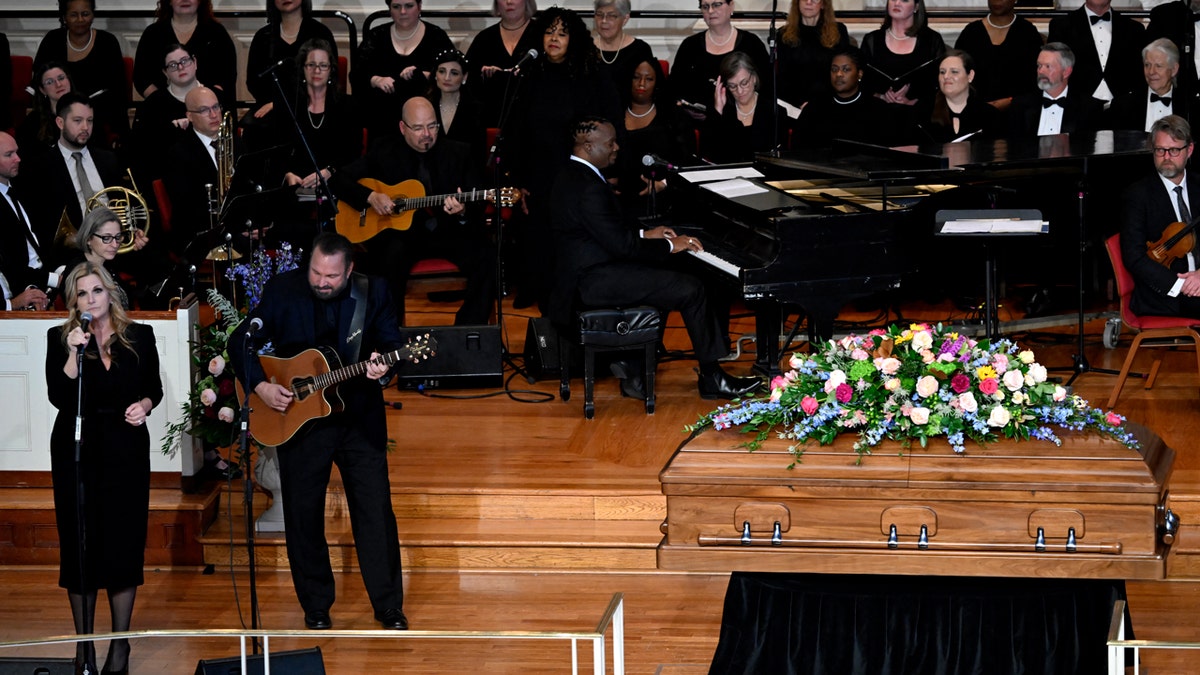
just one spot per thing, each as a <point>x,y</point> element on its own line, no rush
<point>1169,186</point>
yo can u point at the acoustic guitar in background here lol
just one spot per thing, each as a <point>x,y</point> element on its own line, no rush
<point>408,196</point>
<point>312,376</point>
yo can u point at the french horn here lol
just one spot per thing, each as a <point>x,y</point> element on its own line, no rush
<point>128,205</point>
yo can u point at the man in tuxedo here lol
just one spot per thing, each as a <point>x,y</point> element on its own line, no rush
<point>22,255</point>
<point>1150,205</point>
<point>601,261</point>
<point>327,305</point>
<point>1140,108</point>
<point>1106,44</point>
<point>1176,21</point>
<point>442,166</point>
<point>1059,108</point>
<point>189,166</point>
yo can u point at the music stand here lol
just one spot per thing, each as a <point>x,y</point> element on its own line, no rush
<point>988,227</point>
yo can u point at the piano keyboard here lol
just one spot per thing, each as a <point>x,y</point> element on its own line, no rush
<point>719,263</point>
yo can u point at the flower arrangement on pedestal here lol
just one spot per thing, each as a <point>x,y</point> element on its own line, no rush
<point>914,384</point>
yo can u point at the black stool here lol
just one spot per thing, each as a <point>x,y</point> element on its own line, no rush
<point>610,330</point>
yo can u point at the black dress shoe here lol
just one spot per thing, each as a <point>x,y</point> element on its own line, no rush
<point>632,383</point>
<point>392,619</point>
<point>318,619</point>
<point>720,384</point>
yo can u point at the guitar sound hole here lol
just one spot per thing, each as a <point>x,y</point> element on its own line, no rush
<point>303,388</point>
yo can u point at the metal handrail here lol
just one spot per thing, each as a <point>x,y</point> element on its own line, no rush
<point>613,617</point>
<point>1118,645</point>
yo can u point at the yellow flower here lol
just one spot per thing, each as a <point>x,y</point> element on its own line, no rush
<point>985,373</point>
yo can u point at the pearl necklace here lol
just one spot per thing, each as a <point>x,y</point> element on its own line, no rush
<point>745,115</point>
<point>91,39</point>
<point>841,102</point>
<point>633,114</point>
<point>287,37</point>
<point>898,38</point>
<point>713,40</point>
<point>397,38</point>
<point>988,18</point>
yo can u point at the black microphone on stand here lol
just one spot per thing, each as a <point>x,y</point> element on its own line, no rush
<point>85,322</point>
<point>272,67</point>
<point>655,160</point>
<point>255,326</point>
<point>529,56</point>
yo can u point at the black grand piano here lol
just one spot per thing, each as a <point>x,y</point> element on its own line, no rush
<point>817,230</point>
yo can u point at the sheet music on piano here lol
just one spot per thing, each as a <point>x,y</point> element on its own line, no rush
<point>720,173</point>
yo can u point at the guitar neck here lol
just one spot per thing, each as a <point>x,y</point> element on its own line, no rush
<point>428,201</point>
<point>340,375</point>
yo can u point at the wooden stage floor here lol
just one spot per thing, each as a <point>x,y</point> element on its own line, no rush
<point>468,443</point>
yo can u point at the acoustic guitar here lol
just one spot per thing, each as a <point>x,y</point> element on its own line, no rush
<point>312,376</point>
<point>408,196</point>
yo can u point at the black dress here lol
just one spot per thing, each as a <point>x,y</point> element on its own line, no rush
<point>660,137</point>
<point>487,49</point>
<point>883,63</point>
<point>103,69</point>
<point>862,118</point>
<point>268,48</point>
<point>804,67</point>
<point>115,459</point>
<point>467,125</point>
<point>216,56</point>
<point>619,64</point>
<point>694,72</point>
<point>377,56</point>
<point>977,117</point>
<point>1006,69</point>
<point>725,139</point>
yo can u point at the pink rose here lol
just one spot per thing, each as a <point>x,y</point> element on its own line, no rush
<point>795,362</point>
<point>989,386</point>
<point>208,397</point>
<point>225,414</point>
<point>1000,363</point>
<point>1113,419</point>
<point>216,366</point>
<point>809,405</point>
<point>927,386</point>
<point>919,415</point>
<point>860,354</point>
<point>892,384</point>
<point>960,383</point>
<point>888,366</point>
<point>1014,380</point>
<point>1060,393</point>
<point>927,356</point>
<point>778,383</point>
<point>844,393</point>
<point>968,402</point>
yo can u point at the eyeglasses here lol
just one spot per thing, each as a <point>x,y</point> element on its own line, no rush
<point>420,129</point>
<point>747,83</point>
<point>319,67</point>
<point>51,81</point>
<point>108,238</point>
<point>207,110</point>
<point>608,16</point>
<point>712,6</point>
<point>186,61</point>
<point>1173,152</point>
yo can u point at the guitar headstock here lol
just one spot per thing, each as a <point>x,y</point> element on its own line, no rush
<point>508,196</point>
<point>420,348</point>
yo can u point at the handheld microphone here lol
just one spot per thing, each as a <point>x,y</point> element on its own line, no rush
<point>655,160</point>
<point>85,322</point>
<point>272,67</point>
<point>529,56</point>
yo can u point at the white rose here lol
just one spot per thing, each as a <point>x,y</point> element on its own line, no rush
<point>795,362</point>
<point>968,402</point>
<point>1014,380</point>
<point>922,340</point>
<point>927,386</point>
<point>1026,357</point>
<point>892,384</point>
<point>1037,372</point>
<point>835,378</point>
<point>216,366</point>
<point>999,417</point>
<point>919,415</point>
<point>1060,393</point>
<point>225,414</point>
<point>1018,398</point>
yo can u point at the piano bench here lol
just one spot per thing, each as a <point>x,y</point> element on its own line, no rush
<point>610,330</point>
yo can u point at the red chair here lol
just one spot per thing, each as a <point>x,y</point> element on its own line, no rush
<point>343,73</point>
<point>22,73</point>
<point>666,66</point>
<point>164,204</point>
<point>1153,331</point>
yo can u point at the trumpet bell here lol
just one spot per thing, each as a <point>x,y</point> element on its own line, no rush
<point>221,253</point>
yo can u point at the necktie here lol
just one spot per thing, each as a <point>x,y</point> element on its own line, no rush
<point>1184,214</point>
<point>1107,16</point>
<point>1047,102</point>
<point>16,206</point>
<point>1166,100</point>
<point>85,186</point>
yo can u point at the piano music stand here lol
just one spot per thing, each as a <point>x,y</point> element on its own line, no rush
<point>991,321</point>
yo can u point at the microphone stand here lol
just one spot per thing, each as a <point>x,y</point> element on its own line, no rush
<point>326,205</point>
<point>80,495</point>
<point>773,50</point>
<point>248,489</point>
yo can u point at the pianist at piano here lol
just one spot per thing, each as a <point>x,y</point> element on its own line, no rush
<point>600,262</point>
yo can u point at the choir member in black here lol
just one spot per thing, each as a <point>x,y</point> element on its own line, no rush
<point>806,44</point>
<point>98,242</point>
<point>443,167</point>
<point>5,84</point>
<point>849,113</point>
<point>1175,21</point>
<point>742,121</point>
<point>51,81</point>
<point>162,116</point>
<point>650,128</point>
<point>1106,44</point>
<point>1005,48</point>
<point>393,64</point>
<point>564,84</point>
<point>121,385</point>
<point>1161,95</point>
<point>190,23</point>
<point>497,49</point>
<point>330,125</point>
<point>698,60</point>
<point>290,25</point>
<point>902,55</point>
<point>459,113</point>
<point>957,111</point>
<point>93,58</point>
<point>1150,206</point>
<point>619,51</point>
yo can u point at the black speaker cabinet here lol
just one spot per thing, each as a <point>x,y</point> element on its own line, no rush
<point>42,666</point>
<point>466,356</point>
<point>298,662</point>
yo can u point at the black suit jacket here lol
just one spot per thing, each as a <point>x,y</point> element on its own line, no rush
<point>1147,211</point>
<point>187,169</point>
<point>589,231</point>
<point>287,310</point>
<point>1124,70</point>
<point>1173,20</point>
<point>1081,114</point>
<point>14,251</point>
<point>1129,110</point>
<point>49,174</point>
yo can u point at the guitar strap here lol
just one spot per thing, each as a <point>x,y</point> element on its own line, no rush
<point>358,291</point>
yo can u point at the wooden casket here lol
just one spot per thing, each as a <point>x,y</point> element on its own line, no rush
<point>1091,508</point>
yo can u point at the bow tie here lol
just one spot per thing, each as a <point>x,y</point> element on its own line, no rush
<point>1107,16</point>
<point>1166,100</point>
<point>1047,102</point>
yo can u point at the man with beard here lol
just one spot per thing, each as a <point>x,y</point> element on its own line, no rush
<point>1057,109</point>
<point>328,306</point>
<point>1151,204</point>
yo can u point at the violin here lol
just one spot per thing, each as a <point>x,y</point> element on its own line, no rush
<point>1177,241</point>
